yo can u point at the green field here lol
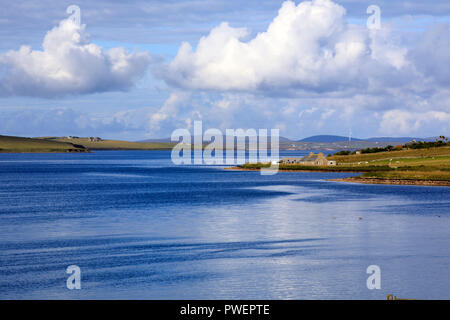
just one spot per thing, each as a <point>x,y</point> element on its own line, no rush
<point>432,164</point>
<point>115,144</point>
<point>413,154</point>
<point>413,164</point>
<point>19,145</point>
<point>10,144</point>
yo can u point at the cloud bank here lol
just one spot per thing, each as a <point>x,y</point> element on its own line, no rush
<point>312,61</point>
<point>309,70</point>
<point>308,47</point>
<point>69,64</point>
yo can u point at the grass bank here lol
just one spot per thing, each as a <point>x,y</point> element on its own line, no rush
<point>9,144</point>
<point>429,166</point>
<point>114,144</point>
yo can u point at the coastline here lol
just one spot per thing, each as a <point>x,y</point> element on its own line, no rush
<point>410,182</point>
<point>13,144</point>
<point>282,170</point>
<point>358,179</point>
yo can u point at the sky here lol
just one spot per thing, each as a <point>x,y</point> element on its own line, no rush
<point>136,70</point>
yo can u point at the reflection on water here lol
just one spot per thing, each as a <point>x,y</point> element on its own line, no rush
<point>139,227</point>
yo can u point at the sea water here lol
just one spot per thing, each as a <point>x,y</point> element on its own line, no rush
<point>139,227</point>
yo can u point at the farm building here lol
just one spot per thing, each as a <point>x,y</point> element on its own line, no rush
<point>309,160</point>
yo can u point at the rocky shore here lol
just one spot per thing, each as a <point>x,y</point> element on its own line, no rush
<point>394,181</point>
<point>413,182</point>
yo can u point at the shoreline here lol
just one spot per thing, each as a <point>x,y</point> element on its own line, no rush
<point>358,179</point>
<point>410,182</point>
<point>291,170</point>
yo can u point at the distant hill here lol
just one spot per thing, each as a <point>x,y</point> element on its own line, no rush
<point>12,144</point>
<point>332,139</point>
<point>73,144</point>
<point>155,140</point>
<point>326,142</point>
<point>394,139</point>
<point>114,144</point>
<point>327,139</point>
<point>282,139</point>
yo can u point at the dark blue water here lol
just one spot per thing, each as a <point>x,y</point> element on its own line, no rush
<point>140,227</point>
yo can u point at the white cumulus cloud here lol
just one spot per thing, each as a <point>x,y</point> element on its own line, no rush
<point>69,64</point>
<point>308,47</point>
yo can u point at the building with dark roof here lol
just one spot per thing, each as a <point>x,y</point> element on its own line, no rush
<point>309,160</point>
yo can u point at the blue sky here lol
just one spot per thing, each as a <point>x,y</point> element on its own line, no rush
<point>141,69</point>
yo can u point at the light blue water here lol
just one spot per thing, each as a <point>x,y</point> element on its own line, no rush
<point>141,228</point>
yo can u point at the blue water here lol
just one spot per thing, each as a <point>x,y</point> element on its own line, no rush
<point>141,228</point>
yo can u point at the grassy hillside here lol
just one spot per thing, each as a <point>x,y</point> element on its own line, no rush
<point>395,155</point>
<point>115,144</point>
<point>412,164</point>
<point>19,145</point>
<point>432,164</point>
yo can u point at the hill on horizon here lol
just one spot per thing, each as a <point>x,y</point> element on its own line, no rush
<point>106,144</point>
<point>394,139</point>
<point>327,138</point>
<point>13,144</point>
<point>282,139</point>
<point>333,138</point>
<point>398,139</point>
